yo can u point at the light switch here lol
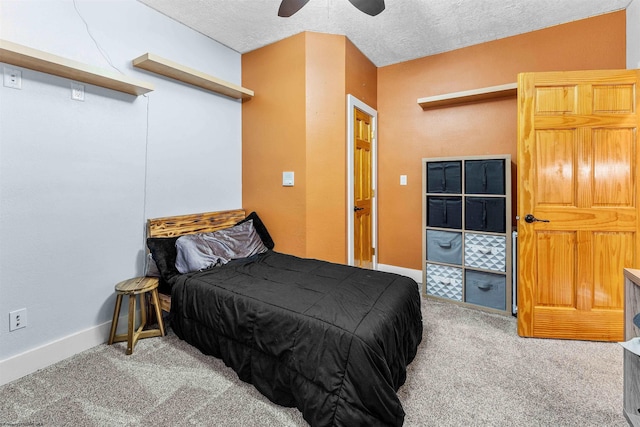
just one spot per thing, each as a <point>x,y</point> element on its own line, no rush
<point>287,179</point>
<point>403,179</point>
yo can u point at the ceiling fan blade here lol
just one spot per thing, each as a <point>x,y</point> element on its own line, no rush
<point>289,7</point>
<point>370,7</point>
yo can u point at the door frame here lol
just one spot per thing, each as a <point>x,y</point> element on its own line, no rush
<point>353,102</point>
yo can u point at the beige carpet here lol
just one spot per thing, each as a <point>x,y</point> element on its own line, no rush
<point>471,370</point>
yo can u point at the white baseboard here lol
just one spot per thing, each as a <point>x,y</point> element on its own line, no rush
<point>30,361</point>
<point>409,272</point>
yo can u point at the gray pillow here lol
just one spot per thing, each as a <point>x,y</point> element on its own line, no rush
<point>151,268</point>
<point>205,250</point>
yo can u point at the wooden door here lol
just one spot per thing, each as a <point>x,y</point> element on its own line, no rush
<point>577,169</point>
<point>363,191</point>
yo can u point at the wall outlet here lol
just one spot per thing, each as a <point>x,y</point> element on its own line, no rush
<point>12,78</point>
<point>77,91</point>
<point>18,319</point>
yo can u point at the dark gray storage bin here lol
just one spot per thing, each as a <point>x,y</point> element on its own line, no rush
<point>484,176</point>
<point>444,177</point>
<point>444,212</point>
<point>444,246</point>
<point>485,289</point>
<point>485,214</point>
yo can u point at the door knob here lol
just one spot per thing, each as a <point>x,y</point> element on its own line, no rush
<point>356,208</point>
<point>530,218</point>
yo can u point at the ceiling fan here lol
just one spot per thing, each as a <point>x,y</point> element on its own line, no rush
<point>370,7</point>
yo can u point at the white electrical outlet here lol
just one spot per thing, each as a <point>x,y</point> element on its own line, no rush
<point>77,91</point>
<point>18,319</point>
<point>12,78</point>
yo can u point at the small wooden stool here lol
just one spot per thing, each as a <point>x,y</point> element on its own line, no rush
<point>132,287</point>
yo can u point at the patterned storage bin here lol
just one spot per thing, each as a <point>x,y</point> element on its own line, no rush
<point>444,246</point>
<point>485,251</point>
<point>444,281</point>
<point>485,289</point>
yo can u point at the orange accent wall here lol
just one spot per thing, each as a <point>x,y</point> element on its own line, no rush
<point>326,156</point>
<point>407,133</point>
<point>273,140</point>
<point>362,76</point>
<point>297,122</point>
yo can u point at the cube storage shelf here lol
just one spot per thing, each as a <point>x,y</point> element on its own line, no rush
<point>467,231</point>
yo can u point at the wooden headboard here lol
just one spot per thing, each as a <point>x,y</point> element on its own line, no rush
<point>195,223</point>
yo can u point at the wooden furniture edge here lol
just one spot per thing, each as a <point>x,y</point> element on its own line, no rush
<point>137,285</point>
<point>474,95</point>
<point>33,59</point>
<point>205,222</point>
<point>168,68</point>
<point>165,302</point>
<point>632,274</point>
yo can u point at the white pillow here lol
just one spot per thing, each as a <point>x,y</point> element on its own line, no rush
<point>205,250</point>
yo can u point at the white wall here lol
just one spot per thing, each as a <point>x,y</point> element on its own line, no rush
<point>78,179</point>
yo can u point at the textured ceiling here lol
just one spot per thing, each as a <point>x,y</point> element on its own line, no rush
<point>405,30</point>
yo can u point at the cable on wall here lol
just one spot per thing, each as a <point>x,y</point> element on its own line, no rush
<point>104,54</point>
<point>144,196</point>
<point>106,57</point>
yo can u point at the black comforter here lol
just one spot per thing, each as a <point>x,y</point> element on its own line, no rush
<point>332,340</point>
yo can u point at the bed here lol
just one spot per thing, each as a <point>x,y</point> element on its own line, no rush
<point>330,339</point>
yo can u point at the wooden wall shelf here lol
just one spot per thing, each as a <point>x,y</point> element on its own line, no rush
<point>33,59</point>
<point>165,67</point>
<point>475,95</point>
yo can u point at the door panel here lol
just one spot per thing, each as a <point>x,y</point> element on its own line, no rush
<point>612,159</point>
<point>577,166</point>
<point>556,252</point>
<point>613,98</point>
<point>556,148</point>
<point>555,99</point>
<point>613,252</point>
